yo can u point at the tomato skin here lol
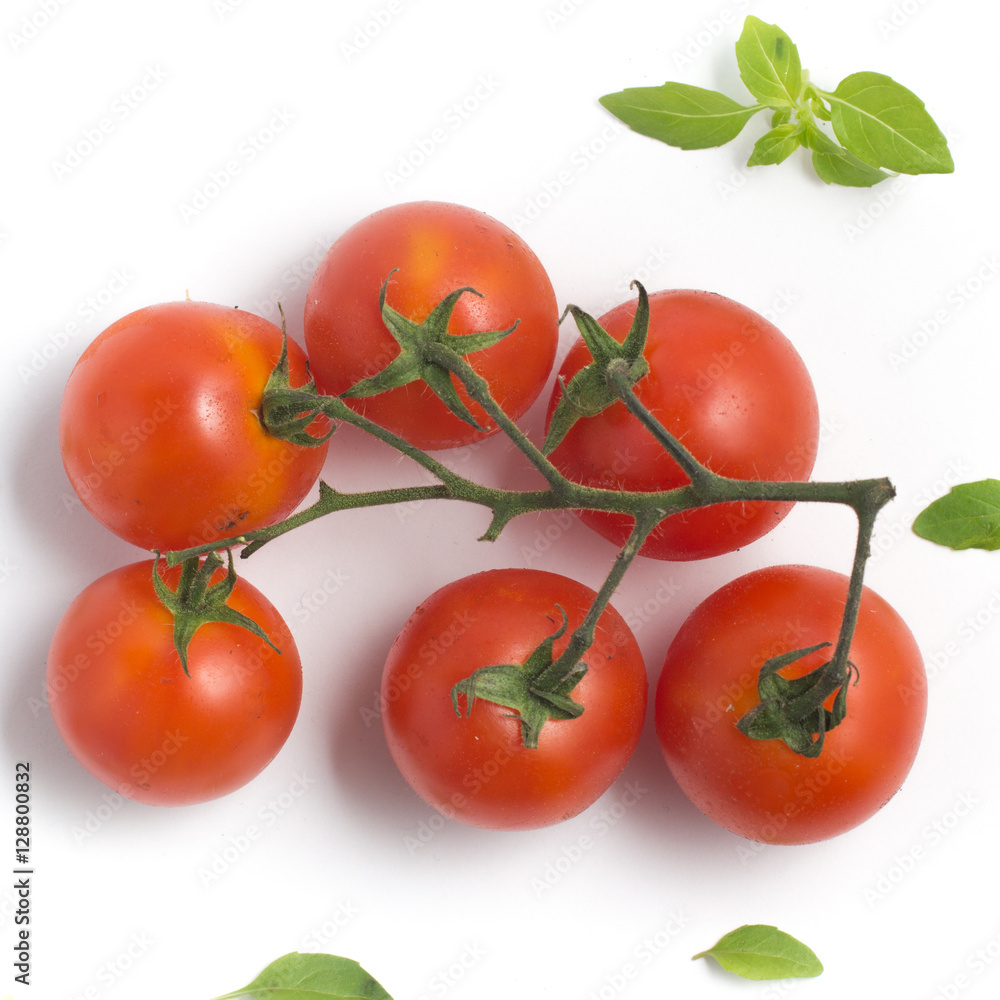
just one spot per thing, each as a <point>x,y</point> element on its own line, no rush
<point>435,249</point>
<point>159,428</point>
<point>760,789</point>
<point>476,768</point>
<point>731,387</point>
<point>130,716</point>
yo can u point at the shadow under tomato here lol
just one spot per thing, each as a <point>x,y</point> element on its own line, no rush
<point>360,758</point>
<point>667,816</point>
<point>30,734</point>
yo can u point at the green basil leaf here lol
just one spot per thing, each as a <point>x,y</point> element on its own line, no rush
<point>311,977</point>
<point>836,165</point>
<point>759,951</point>
<point>769,63</point>
<point>819,109</point>
<point>886,125</point>
<point>680,115</point>
<point>966,518</point>
<point>776,146</point>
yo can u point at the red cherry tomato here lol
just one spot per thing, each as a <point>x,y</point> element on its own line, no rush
<point>476,768</point>
<point>434,248</point>
<point>126,710</point>
<point>160,427</point>
<point>761,789</point>
<point>731,387</point>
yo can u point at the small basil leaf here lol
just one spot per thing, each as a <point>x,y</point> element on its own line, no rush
<point>966,518</point>
<point>769,64</point>
<point>819,109</point>
<point>680,115</point>
<point>886,125</point>
<point>836,165</point>
<point>776,146</point>
<point>759,951</point>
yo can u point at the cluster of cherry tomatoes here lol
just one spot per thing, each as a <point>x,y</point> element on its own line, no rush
<point>163,440</point>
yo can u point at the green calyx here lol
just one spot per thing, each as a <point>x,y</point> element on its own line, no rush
<point>524,689</point>
<point>197,601</point>
<point>589,391</point>
<point>793,710</point>
<point>286,411</point>
<point>424,351</point>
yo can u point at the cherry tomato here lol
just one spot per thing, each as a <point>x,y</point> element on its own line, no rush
<point>731,387</point>
<point>160,427</point>
<point>131,716</point>
<point>761,789</point>
<point>475,767</point>
<point>434,248</point>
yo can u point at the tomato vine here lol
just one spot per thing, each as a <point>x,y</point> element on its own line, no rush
<point>792,711</point>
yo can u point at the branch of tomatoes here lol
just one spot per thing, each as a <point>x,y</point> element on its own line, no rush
<point>793,711</point>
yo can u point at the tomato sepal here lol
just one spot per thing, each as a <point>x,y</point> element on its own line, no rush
<point>422,349</point>
<point>793,709</point>
<point>287,411</point>
<point>591,390</point>
<point>523,689</point>
<point>197,601</point>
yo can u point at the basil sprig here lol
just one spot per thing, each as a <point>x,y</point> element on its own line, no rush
<point>879,125</point>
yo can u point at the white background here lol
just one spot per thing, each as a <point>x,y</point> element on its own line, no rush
<point>339,99</point>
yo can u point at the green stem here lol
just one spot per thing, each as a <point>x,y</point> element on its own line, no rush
<point>509,504</point>
<point>583,636</point>
<point>618,379</point>
<point>337,409</point>
<point>647,509</point>
<point>479,391</point>
<point>867,513</point>
<point>865,496</point>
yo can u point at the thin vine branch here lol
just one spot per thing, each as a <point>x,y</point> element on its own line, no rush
<point>867,514</point>
<point>583,636</point>
<point>479,391</point>
<point>618,379</point>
